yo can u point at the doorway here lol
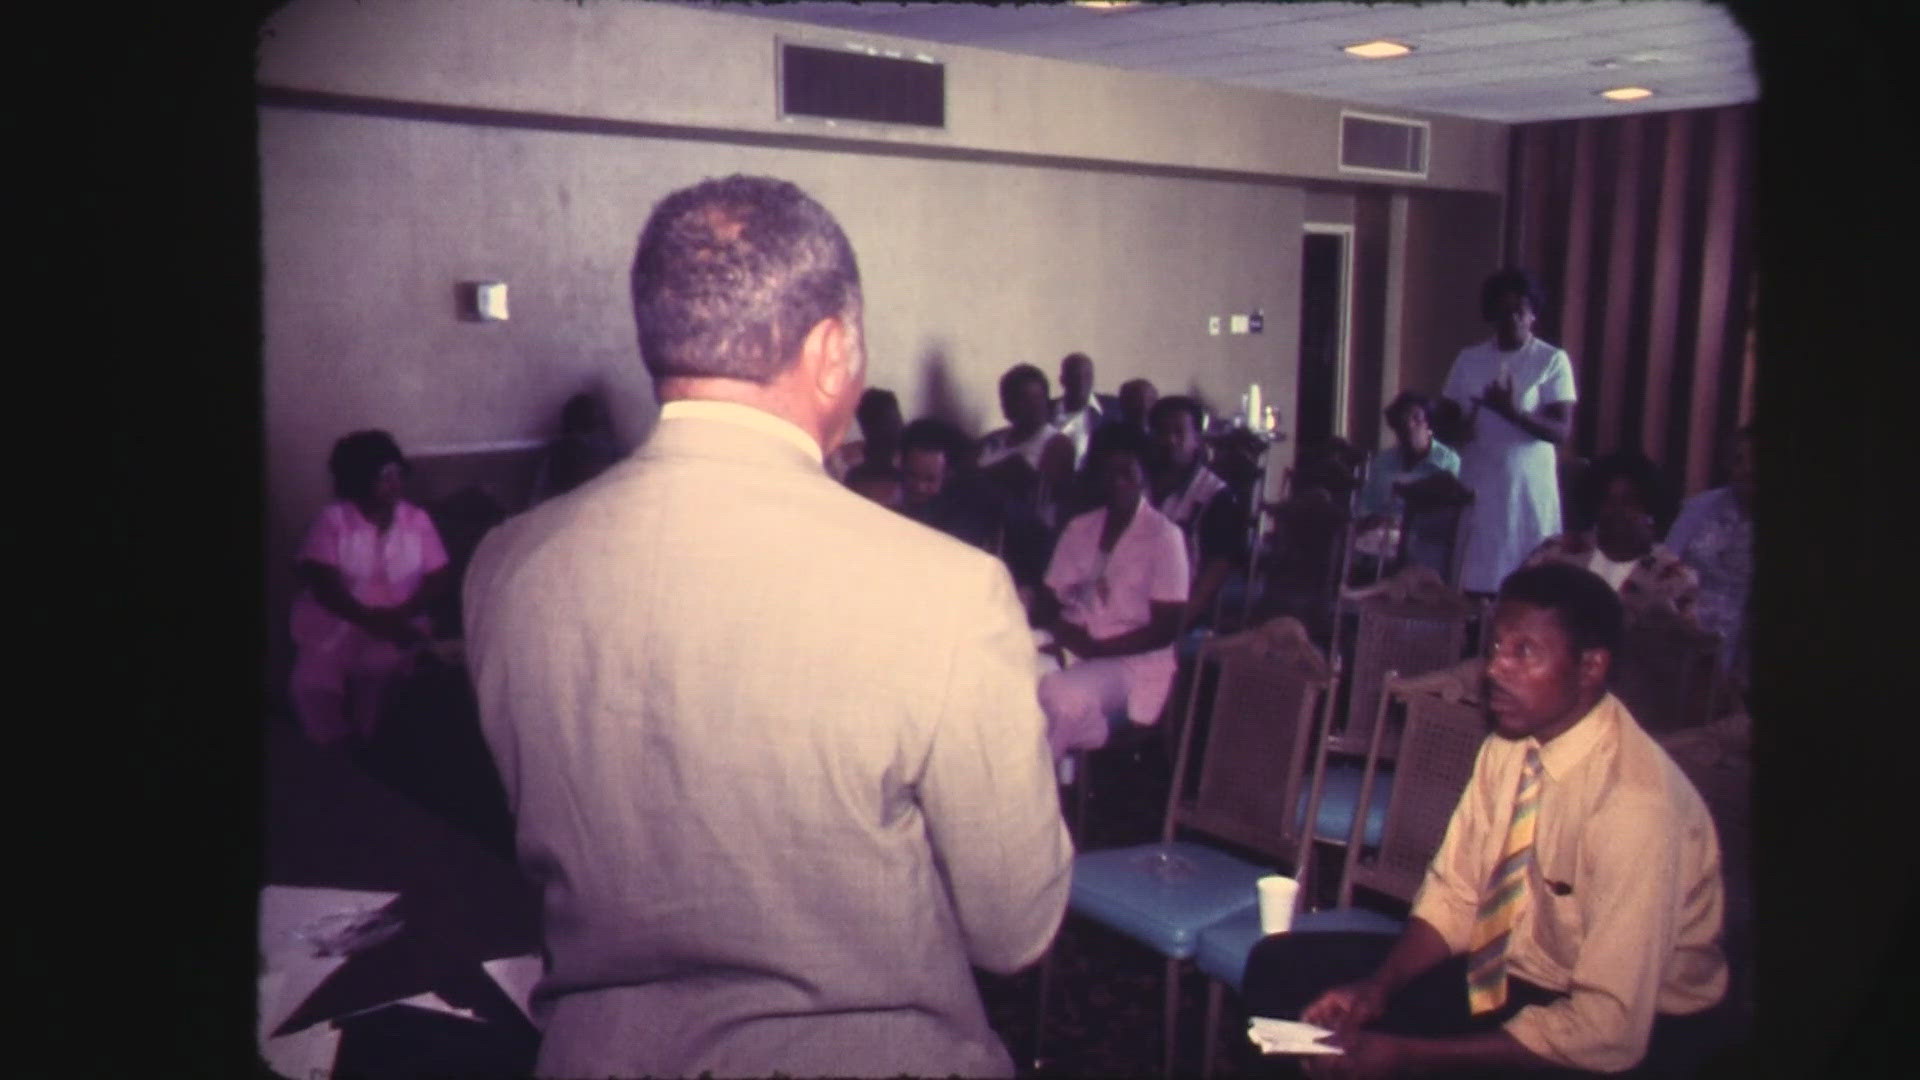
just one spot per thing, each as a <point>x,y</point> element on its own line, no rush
<point>1326,297</point>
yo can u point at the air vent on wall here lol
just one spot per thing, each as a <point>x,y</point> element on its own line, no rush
<point>1383,145</point>
<point>850,84</point>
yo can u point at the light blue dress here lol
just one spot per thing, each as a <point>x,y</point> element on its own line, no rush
<point>1514,476</point>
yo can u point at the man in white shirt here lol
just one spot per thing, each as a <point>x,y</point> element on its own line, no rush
<point>1079,412</point>
<point>1571,919</point>
<point>1029,461</point>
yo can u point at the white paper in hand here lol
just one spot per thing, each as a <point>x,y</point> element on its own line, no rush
<point>1289,1037</point>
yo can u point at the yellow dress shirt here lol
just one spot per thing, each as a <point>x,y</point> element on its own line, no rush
<point>1624,898</point>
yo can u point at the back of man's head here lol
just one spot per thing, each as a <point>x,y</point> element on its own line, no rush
<point>1587,607</point>
<point>730,276</point>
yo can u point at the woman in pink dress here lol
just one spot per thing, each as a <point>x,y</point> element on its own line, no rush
<point>370,567</point>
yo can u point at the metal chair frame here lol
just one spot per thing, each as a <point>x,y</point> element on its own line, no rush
<point>1438,746</point>
<point>1235,798</point>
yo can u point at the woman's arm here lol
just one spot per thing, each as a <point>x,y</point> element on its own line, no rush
<point>330,591</point>
<point>1552,422</point>
<point>1162,629</point>
<point>431,588</point>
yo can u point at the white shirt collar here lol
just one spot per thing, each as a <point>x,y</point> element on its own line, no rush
<point>732,412</point>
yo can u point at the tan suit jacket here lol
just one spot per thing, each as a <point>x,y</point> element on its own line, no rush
<point>776,762</point>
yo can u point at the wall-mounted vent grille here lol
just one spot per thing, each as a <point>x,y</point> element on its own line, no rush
<point>845,84</point>
<point>1383,145</point>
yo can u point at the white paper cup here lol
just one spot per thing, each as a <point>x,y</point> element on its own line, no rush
<point>1277,895</point>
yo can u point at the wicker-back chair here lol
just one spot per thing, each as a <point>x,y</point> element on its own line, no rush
<point>1435,525</point>
<point>1412,624</point>
<point>1667,672</point>
<point>1265,689</point>
<point>1444,725</point>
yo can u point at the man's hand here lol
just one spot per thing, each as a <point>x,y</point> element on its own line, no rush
<point>1368,1054</point>
<point>1346,1009</point>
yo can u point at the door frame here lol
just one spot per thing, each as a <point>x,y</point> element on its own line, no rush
<point>1343,356</point>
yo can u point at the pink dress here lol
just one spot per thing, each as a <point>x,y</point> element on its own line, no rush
<point>340,671</point>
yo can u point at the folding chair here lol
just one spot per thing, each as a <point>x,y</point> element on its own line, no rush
<point>1266,687</point>
<point>1437,509</point>
<point>1439,740</point>
<point>1411,636</point>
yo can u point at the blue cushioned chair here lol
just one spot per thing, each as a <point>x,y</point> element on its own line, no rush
<point>1239,788</point>
<point>1444,725</point>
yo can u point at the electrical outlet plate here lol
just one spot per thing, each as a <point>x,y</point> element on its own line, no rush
<point>1240,324</point>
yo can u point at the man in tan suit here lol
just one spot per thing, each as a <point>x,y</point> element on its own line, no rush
<point>773,752</point>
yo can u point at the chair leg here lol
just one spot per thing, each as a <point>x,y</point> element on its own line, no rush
<point>1170,1022</point>
<point>1210,1033</point>
<point>1040,1020</point>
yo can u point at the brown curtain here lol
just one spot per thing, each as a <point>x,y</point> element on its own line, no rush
<point>1640,229</point>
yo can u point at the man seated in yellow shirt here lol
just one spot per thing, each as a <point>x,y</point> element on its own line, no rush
<point>1570,922</point>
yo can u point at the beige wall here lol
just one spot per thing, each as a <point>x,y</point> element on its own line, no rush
<point>1452,243</point>
<point>660,64</point>
<point>1042,221</point>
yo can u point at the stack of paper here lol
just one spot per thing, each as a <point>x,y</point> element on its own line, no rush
<point>1289,1037</point>
<point>292,967</point>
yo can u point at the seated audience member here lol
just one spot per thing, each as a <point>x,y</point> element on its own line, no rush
<point>1136,401</point>
<point>585,448</point>
<point>1207,512</point>
<point>877,481</point>
<point>933,493</point>
<point>1714,536</point>
<point>1623,495</point>
<point>1415,455</point>
<point>370,568</point>
<point>1079,412</point>
<point>1029,459</point>
<point>1571,918</point>
<point>1114,597</point>
<point>880,424</point>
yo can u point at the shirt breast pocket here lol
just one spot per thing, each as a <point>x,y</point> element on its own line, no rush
<point>1558,924</point>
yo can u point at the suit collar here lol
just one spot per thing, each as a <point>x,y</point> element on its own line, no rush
<point>708,438</point>
<point>745,416</point>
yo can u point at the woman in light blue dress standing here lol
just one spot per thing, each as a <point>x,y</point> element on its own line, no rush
<point>1511,399</point>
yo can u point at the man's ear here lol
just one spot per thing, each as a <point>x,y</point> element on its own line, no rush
<point>1595,666</point>
<point>830,356</point>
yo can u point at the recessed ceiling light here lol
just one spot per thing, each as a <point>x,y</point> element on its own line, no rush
<point>1626,93</point>
<point>1106,5</point>
<point>1377,50</point>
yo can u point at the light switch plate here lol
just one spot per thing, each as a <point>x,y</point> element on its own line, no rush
<point>1240,324</point>
<point>491,300</point>
<point>1213,325</point>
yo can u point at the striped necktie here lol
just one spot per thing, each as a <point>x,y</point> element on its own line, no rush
<point>1506,895</point>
